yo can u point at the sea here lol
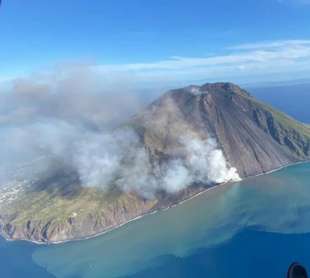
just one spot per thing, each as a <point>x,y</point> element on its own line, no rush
<point>251,229</point>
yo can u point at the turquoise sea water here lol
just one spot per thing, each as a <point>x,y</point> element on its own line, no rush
<point>237,230</point>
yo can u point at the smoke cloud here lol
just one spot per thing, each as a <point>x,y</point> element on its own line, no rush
<point>119,159</point>
<point>74,118</point>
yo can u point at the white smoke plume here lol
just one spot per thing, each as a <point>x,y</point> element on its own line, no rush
<point>72,118</point>
<point>119,159</point>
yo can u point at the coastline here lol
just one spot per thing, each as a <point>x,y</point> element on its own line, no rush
<point>111,229</point>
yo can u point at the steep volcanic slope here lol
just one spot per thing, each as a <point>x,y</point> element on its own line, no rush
<point>254,139</point>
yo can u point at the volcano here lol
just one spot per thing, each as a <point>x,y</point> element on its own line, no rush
<point>250,137</point>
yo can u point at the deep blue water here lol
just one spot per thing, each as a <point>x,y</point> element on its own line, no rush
<point>293,99</point>
<point>248,254</point>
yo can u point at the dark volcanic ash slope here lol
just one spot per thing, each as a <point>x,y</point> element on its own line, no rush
<point>254,137</point>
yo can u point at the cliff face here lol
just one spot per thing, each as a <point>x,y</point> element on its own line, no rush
<point>253,137</point>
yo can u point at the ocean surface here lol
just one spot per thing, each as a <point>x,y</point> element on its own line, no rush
<point>293,99</point>
<point>254,228</point>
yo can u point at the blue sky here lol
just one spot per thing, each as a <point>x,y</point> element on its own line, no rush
<point>159,41</point>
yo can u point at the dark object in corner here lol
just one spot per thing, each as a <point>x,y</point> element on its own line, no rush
<point>296,271</point>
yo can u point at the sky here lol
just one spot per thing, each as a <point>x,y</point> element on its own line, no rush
<point>158,42</point>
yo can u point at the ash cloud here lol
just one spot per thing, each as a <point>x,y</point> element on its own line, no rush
<point>73,118</point>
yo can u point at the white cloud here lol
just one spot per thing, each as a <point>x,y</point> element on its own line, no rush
<point>271,44</point>
<point>261,61</point>
<point>242,62</point>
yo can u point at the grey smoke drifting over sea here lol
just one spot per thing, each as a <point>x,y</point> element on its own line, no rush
<point>72,117</point>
